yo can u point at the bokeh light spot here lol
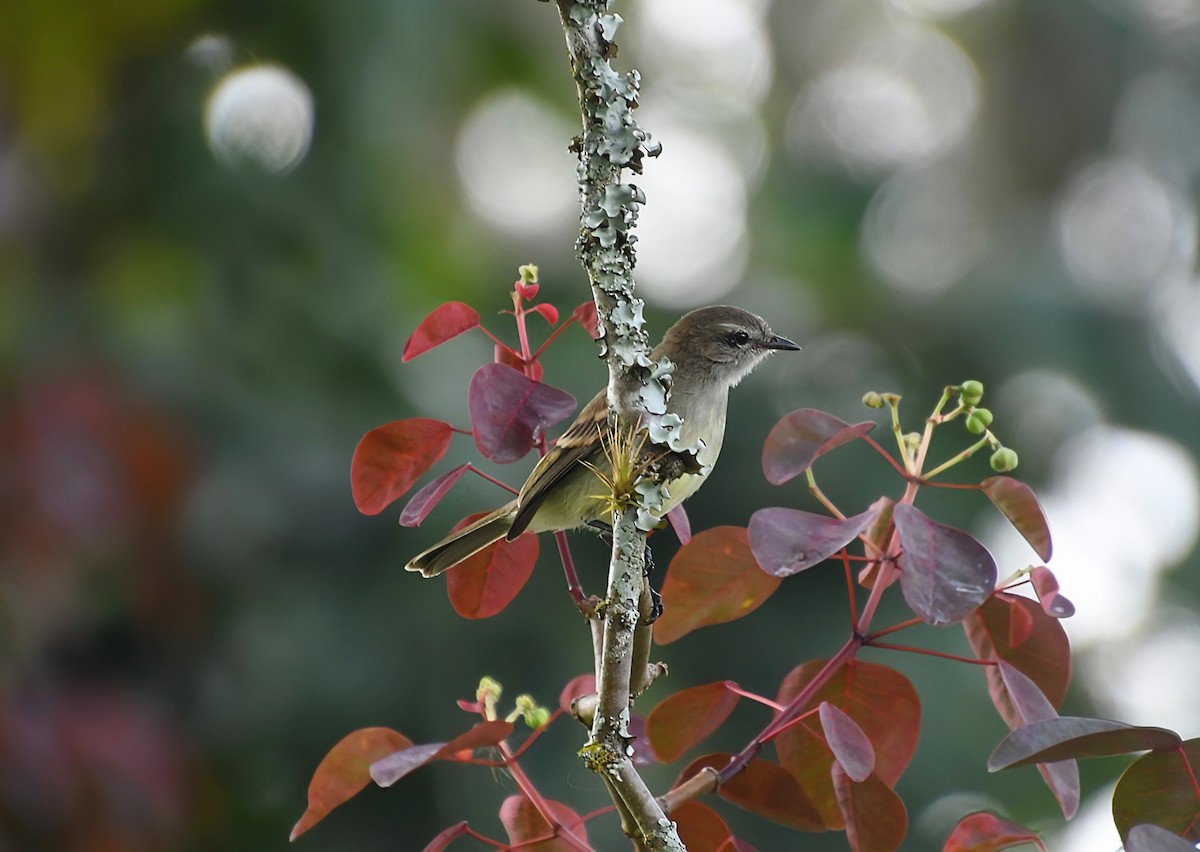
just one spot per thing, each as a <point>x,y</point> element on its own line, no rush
<point>514,165</point>
<point>1122,231</point>
<point>922,232</point>
<point>261,116</point>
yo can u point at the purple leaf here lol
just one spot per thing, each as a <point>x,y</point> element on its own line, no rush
<point>1020,505</point>
<point>680,523</point>
<point>800,438</point>
<point>1046,586</point>
<point>510,411</point>
<point>1149,837</point>
<point>787,541</point>
<point>1031,704</point>
<point>1065,737</point>
<point>388,770</point>
<point>424,501</point>
<point>945,574</point>
<point>847,742</point>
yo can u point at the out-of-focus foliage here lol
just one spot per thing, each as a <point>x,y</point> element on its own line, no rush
<point>192,610</point>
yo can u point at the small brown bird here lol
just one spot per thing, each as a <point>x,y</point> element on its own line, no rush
<point>713,349</point>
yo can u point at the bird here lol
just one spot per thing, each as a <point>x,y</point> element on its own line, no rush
<point>713,349</point>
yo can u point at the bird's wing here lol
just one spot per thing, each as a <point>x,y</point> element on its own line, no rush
<point>581,440</point>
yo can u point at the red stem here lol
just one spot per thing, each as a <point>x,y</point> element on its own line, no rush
<point>753,696</point>
<point>845,557</point>
<point>493,479</point>
<point>930,653</point>
<point>895,628</point>
<point>899,468</point>
<point>553,335</point>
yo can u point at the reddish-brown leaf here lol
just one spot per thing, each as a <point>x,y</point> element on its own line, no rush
<point>345,770</point>
<point>882,703</point>
<point>846,740</point>
<point>446,837</point>
<point>1043,653</point>
<point>1046,585</point>
<point>523,824</point>
<point>701,828</point>
<point>1067,737</point>
<point>1020,505</point>
<point>482,585</point>
<point>446,321</point>
<point>585,315</point>
<point>584,684</point>
<point>876,820</point>
<point>711,580</point>
<point>984,832</point>
<point>389,769</point>
<point>1148,837</point>
<point>687,717</point>
<point>423,502</point>
<point>800,438</point>
<point>510,411</point>
<point>504,355</point>
<point>1160,788</point>
<point>388,460</point>
<point>787,541</point>
<point>764,788</point>
<point>945,573</point>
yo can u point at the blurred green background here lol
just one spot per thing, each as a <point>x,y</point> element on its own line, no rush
<point>207,279</point>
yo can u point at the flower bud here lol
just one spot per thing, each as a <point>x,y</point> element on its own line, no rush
<point>873,399</point>
<point>971,392</point>
<point>978,421</point>
<point>1003,460</point>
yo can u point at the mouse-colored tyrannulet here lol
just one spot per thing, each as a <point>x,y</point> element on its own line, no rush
<point>712,349</point>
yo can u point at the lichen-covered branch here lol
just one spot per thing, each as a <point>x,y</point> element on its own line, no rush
<point>638,387</point>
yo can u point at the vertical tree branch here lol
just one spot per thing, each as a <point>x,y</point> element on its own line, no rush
<point>610,142</point>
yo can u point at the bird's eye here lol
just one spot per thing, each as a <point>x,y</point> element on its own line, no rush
<point>737,338</point>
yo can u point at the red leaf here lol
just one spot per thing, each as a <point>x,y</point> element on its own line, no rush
<point>1062,777</point>
<point>787,541</point>
<point>446,321</point>
<point>584,684</point>
<point>1020,505</point>
<point>945,573</point>
<point>700,827</point>
<point>849,744</point>
<point>800,438</point>
<point>548,311</point>
<point>387,770</point>
<point>523,824</point>
<point>686,718</point>
<point>444,838</point>
<point>876,820</point>
<point>1043,655</point>
<point>585,315</point>
<point>1160,788</point>
<point>423,502</point>
<point>345,770</point>
<point>679,522</point>
<point>984,832</point>
<point>390,459</point>
<point>1067,737</point>
<point>879,699</point>
<point>764,788</point>
<point>510,412</point>
<point>1148,837</point>
<point>528,292</point>
<point>482,585</point>
<point>1046,586</point>
<point>711,580</point>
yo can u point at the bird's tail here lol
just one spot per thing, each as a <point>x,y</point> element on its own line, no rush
<point>468,541</point>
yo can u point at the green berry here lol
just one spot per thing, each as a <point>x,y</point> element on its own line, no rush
<point>978,421</point>
<point>971,392</point>
<point>873,399</point>
<point>1004,460</point>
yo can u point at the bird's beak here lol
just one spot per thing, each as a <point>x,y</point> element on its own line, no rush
<point>777,342</point>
